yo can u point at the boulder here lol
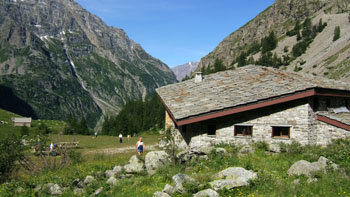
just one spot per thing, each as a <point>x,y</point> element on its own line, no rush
<point>109,173</point>
<point>234,173</point>
<point>306,168</point>
<point>98,191</point>
<point>182,181</point>
<point>169,189</point>
<point>112,181</point>
<point>89,179</point>
<point>117,169</point>
<point>206,193</point>
<point>247,149</point>
<point>160,194</point>
<point>20,190</point>
<point>221,151</point>
<point>135,165</point>
<point>275,148</point>
<point>52,189</point>
<point>232,177</point>
<point>192,155</point>
<point>311,180</point>
<point>37,189</point>
<point>155,160</point>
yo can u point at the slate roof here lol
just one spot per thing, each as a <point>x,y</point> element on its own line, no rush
<point>232,88</point>
<point>341,117</point>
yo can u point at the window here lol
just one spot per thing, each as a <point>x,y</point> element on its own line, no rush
<point>243,130</point>
<point>278,131</point>
<point>211,129</point>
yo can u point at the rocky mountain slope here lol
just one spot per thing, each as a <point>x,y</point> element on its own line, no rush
<point>323,56</point>
<point>63,60</point>
<point>182,71</point>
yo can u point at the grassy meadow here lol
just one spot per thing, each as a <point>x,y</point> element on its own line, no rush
<point>96,155</point>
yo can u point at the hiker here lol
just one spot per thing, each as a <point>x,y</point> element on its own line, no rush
<point>120,138</point>
<point>128,137</point>
<point>95,134</point>
<point>140,146</point>
<point>52,149</point>
<point>37,146</point>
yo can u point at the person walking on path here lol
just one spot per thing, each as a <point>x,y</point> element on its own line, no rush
<point>120,138</point>
<point>140,146</point>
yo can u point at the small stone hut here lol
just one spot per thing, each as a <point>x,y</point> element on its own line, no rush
<point>255,103</point>
<point>20,122</point>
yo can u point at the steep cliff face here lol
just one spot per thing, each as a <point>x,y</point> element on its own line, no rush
<point>280,18</point>
<point>62,60</point>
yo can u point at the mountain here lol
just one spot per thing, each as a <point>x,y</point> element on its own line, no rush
<point>182,71</point>
<point>303,32</point>
<point>64,61</point>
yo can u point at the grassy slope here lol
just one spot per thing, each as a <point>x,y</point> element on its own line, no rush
<point>271,168</point>
<point>55,126</point>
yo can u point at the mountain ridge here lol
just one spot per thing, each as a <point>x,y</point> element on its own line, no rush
<point>65,61</point>
<point>281,18</point>
<point>181,71</point>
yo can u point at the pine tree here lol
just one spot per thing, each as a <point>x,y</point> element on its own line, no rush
<point>336,33</point>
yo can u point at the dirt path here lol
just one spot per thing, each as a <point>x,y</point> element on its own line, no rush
<point>119,150</point>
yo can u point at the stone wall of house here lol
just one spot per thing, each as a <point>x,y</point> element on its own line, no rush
<point>326,133</point>
<point>299,115</point>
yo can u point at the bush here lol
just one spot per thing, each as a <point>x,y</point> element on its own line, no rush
<point>261,145</point>
<point>336,33</point>
<point>75,156</point>
<point>11,152</point>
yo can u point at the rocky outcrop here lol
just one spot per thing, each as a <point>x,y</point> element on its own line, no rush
<point>306,168</point>
<point>206,193</point>
<point>62,61</point>
<point>232,177</point>
<point>155,160</point>
<point>182,181</point>
<point>280,18</point>
<point>184,70</point>
<point>135,165</point>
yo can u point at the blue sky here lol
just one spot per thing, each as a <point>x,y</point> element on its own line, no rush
<point>176,31</point>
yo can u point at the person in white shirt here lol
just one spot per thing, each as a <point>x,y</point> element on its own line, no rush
<point>140,146</point>
<point>120,138</point>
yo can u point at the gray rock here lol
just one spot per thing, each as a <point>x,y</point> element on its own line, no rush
<point>52,189</point>
<point>160,194</point>
<point>98,191</point>
<point>89,179</point>
<point>109,173</point>
<point>311,180</point>
<point>135,165</point>
<point>234,173</point>
<point>232,177</point>
<point>78,191</point>
<point>206,193</point>
<point>275,148</point>
<point>192,155</point>
<point>155,160</point>
<point>20,190</point>
<point>227,184</point>
<point>306,168</point>
<point>246,149</point>
<point>117,169</point>
<point>37,189</point>
<point>112,181</point>
<point>182,180</point>
<point>221,151</point>
<point>169,189</point>
<point>296,181</point>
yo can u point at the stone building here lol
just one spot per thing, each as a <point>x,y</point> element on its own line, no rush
<point>20,122</point>
<point>255,103</point>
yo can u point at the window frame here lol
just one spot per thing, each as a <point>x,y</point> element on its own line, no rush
<point>242,135</point>
<point>273,127</point>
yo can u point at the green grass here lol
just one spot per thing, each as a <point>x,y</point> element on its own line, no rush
<point>271,169</point>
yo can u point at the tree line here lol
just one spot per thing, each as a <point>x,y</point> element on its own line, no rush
<point>136,116</point>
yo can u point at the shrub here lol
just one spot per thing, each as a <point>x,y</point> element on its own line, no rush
<point>11,153</point>
<point>336,33</point>
<point>75,156</point>
<point>262,145</point>
<point>24,131</point>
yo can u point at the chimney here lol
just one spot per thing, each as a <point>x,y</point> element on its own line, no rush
<point>198,78</point>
